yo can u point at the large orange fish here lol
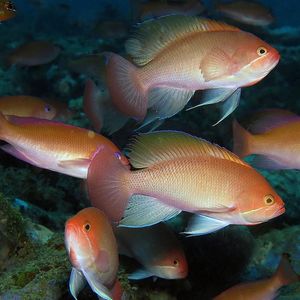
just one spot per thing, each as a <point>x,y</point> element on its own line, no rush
<point>93,252</point>
<point>177,172</point>
<point>275,142</point>
<point>7,10</point>
<point>248,12</point>
<point>264,289</point>
<point>33,54</point>
<point>52,145</point>
<point>156,248</point>
<point>27,106</point>
<point>177,55</point>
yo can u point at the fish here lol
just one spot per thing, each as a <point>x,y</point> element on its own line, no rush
<point>27,106</point>
<point>53,145</point>
<point>99,109</point>
<point>156,248</point>
<point>264,289</point>
<point>63,112</point>
<point>155,9</point>
<point>247,12</point>
<point>93,252</point>
<point>174,172</point>
<point>275,142</point>
<point>33,53</point>
<point>7,10</point>
<point>176,55</point>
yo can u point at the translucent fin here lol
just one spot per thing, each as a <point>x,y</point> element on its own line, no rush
<point>150,148</point>
<point>200,225</point>
<point>154,35</point>
<point>229,105</point>
<point>81,162</point>
<point>266,162</point>
<point>76,283</point>
<point>145,211</point>
<point>139,274</point>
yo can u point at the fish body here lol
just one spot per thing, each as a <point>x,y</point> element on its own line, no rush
<point>7,10</point>
<point>156,248</point>
<point>33,54</point>
<point>177,55</point>
<point>52,145</point>
<point>247,12</point>
<point>27,106</point>
<point>93,252</point>
<point>276,144</point>
<point>265,289</point>
<point>176,172</point>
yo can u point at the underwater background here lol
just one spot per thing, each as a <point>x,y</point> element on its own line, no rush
<point>35,203</point>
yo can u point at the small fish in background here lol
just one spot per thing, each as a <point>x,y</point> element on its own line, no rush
<point>111,29</point>
<point>33,54</point>
<point>63,112</point>
<point>247,12</point>
<point>7,10</point>
<point>176,172</point>
<point>155,9</point>
<point>100,111</point>
<point>275,140</point>
<point>53,145</point>
<point>177,55</point>
<point>265,289</point>
<point>156,248</point>
<point>27,106</point>
<point>93,252</point>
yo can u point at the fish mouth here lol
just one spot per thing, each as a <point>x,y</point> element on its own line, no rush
<point>279,212</point>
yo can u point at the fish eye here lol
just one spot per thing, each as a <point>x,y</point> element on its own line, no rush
<point>269,200</point>
<point>47,108</point>
<point>87,227</point>
<point>118,155</point>
<point>261,51</point>
<point>175,262</point>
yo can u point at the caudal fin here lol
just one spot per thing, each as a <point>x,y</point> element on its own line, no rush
<point>285,273</point>
<point>126,89</point>
<point>241,140</point>
<point>106,183</point>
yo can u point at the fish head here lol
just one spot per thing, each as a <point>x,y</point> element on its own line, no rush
<point>172,266</point>
<point>253,59</point>
<point>83,236</point>
<point>44,111</point>
<point>260,203</point>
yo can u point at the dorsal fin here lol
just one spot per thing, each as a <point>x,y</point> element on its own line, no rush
<point>151,148</point>
<point>153,35</point>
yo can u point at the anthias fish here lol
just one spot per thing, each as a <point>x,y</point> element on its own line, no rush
<point>52,145</point>
<point>265,289</point>
<point>33,54</point>
<point>275,142</point>
<point>248,12</point>
<point>93,252</point>
<point>177,172</point>
<point>7,10</point>
<point>156,248</point>
<point>177,55</point>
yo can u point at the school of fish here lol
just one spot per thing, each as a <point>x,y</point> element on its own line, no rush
<point>163,173</point>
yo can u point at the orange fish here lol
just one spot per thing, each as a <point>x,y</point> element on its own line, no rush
<point>151,9</point>
<point>276,142</point>
<point>247,12</point>
<point>63,112</point>
<point>33,54</point>
<point>93,252</point>
<point>265,289</point>
<point>27,106</point>
<point>177,55</point>
<point>156,248</point>
<point>52,145</point>
<point>176,172</point>
<point>7,10</point>
<point>100,111</point>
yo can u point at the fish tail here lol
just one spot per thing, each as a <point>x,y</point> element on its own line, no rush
<point>127,91</point>
<point>285,274</point>
<point>242,140</point>
<point>107,183</point>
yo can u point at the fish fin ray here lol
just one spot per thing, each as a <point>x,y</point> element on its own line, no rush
<point>151,148</point>
<point>139,274</point>
<point>242,140</point>
<point>153,35</point>
<point>145,211</point>
<point>76,283</point>
<point>267,162</point>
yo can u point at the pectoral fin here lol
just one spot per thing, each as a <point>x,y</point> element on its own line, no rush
<point>76,283</point>
<point>139,274</point>
<point>76,163</point>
